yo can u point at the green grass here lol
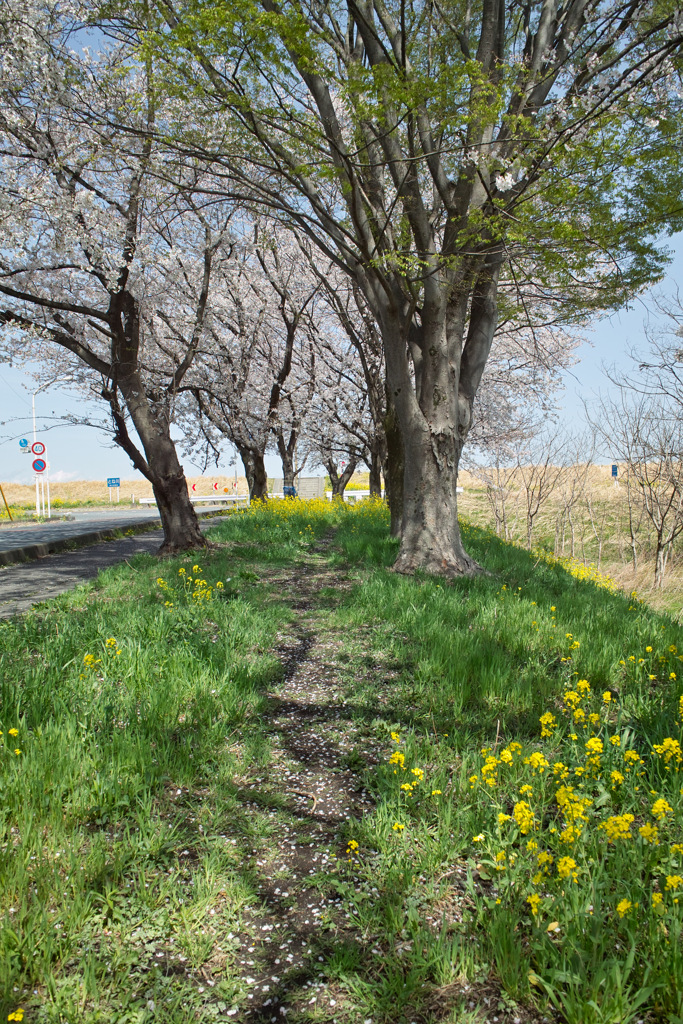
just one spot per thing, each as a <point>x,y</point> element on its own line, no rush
<point>127,817</point>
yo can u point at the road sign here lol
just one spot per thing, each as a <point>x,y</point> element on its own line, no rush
<point>26,451</point>
<point>614,471</point>
<point>113,481</point>
<point>194,487</point>
<point>38,448</point>
<point>24,443</point>
<point>39,465</point>
<point>215,487</point>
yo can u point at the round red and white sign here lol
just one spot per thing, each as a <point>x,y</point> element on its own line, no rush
<point>38,448</point>
<point>39,465</point>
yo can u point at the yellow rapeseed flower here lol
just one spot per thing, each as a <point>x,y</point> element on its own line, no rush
<point>524,817</point>
<point>567,868</point>
<point>660,809</point>
<point>650,833</point>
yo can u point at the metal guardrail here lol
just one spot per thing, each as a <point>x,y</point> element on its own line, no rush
<point>229,498</point>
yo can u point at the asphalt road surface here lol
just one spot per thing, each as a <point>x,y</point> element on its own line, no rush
<point>28,583</point>
<point>20,535</point>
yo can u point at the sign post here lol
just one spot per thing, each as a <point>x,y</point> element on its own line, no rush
<point>615,470</point>
<point>40,466</point>
<point>114,481</point>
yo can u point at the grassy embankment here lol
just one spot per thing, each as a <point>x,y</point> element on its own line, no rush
<point>526,852</point>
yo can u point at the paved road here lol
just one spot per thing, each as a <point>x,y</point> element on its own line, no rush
<point>24,585</point>
<point>20,535</point>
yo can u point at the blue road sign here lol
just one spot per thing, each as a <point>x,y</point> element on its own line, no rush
<point>614,470</point>
<point>23,443</point>
<point>113,481</point>
<point>39,465</point>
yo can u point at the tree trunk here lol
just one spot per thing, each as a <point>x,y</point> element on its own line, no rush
<point>394,467</point>
<point>375,475</point>
<point>178,517</point>
<point>430,535</point>
<point>163,469</point>
<point>338,480</point>
<point>255,472</point>
<point>287,471</point>
<point>660,564</point>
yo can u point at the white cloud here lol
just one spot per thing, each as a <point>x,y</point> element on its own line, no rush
<point>61,477</point>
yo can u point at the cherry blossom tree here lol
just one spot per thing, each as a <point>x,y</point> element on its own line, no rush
<point>99,233</point>
<point>436,154</point>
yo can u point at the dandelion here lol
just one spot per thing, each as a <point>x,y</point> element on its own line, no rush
<point>17,1015</point>
<point>17,751</point>
<point>12,732</point>
<point>648,650</point>
<point>623,907</point>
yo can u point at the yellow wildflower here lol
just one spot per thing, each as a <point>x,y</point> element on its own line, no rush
<point>524,817</point>
<point>623,907</point>
<point>617,827</point>
<point>650,833</point>
<point>567,868</point>
<point>548,724</point>
<point>660,809</point>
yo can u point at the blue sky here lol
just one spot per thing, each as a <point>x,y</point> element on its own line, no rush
<point>83,453</point>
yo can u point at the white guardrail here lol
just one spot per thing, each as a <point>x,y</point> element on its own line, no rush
<point>229,498</point>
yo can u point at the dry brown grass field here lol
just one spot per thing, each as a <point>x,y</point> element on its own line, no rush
<point>95,492</point>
